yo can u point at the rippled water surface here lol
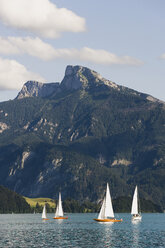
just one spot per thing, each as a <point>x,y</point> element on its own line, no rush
<point>80,230</point>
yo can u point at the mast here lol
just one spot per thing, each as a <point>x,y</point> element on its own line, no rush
<point>139,208</point>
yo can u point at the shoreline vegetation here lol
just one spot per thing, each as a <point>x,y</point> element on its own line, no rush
<point>11,202</point>
<point>121,205</point>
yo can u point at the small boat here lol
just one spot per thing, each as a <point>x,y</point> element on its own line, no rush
<point>59,214</point>
<point>106,212</point>
<point>135,210</point>
<point>44,215</point>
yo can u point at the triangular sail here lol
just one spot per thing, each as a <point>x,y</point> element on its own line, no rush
<point>108,204</point>
<point>44,213</point>
<point>56,213</point>
<point>102,211</point>
<point>134,209</point>
<point>59,211</point>
<point>106,208</point>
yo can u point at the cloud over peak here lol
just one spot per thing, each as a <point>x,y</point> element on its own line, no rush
<point>42,50</point>
<point>14,74</point>
<point>41,17</point>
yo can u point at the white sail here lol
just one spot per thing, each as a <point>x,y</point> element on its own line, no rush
<point>106,208</point>
<point>102,211</point>
<point>108,204</point>
<point>44,213</point>
<point>59,211</point>
<point>56,213</point>
<point>134,209</point>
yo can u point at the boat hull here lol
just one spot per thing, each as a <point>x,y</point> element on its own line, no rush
<point>136,218</point>
<point>108,220</point>
<point>45,219</point>
<point>60,218</point>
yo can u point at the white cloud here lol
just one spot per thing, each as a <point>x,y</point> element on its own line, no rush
<point>41,17</point>
<point>37,48</point>
<point>14,74</point>
<point>101,56</point>
<point>6,47</point>
<point>33,47</point>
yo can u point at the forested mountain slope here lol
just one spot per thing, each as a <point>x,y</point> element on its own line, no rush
<point>11,202</point>
<point>77,135</point>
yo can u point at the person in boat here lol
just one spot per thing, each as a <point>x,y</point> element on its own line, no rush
<point>136,215</point>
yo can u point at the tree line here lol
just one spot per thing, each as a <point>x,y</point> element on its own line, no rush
<point>10,202</point>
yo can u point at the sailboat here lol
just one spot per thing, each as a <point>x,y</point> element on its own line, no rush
<point>135,211</point>
<point>59,214</point>
<point>44,215</point>
<point>106,212</point>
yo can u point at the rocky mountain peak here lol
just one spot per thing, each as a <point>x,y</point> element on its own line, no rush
<point>30,88</point>
<point>77,77</point>
<point>78,70</point>
<point>34,88</point>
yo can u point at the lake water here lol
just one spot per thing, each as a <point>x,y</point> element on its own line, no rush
<point>80,230</point>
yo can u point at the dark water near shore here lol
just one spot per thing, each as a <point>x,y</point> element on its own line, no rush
<point>80,230</point>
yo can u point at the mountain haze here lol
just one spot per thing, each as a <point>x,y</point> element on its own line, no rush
<point>77,135</point>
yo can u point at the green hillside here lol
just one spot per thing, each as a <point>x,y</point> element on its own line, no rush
<point>41,201</point>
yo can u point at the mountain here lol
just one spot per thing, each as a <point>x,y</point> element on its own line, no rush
<point>10,202</point>
<point>77,135</point>
<point>34,88</point>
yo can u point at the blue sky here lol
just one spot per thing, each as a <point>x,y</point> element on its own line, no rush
<point>124,41</point>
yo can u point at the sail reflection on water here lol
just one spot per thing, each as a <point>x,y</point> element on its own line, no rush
<point>107,234</point>
<point>135,234</point>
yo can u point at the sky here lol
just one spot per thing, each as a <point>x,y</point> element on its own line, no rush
<point>124,41</point>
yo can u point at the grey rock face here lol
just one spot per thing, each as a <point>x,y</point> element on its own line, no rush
<point>72,79</point>
<point>77,77</point>
<point>34,88</point>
